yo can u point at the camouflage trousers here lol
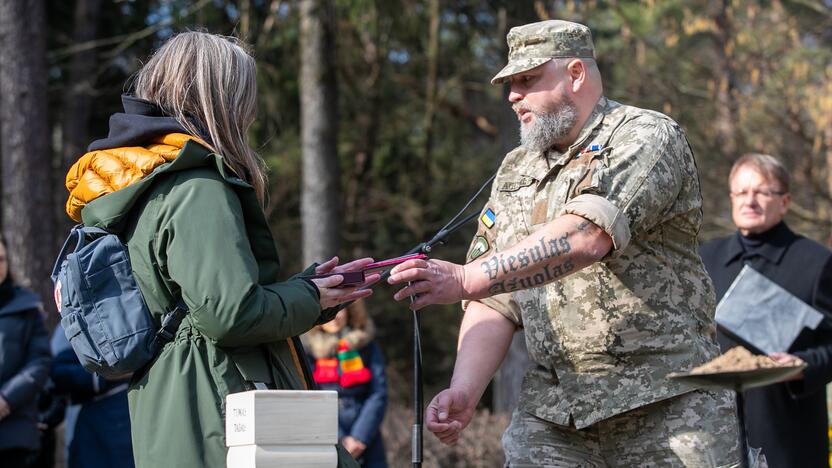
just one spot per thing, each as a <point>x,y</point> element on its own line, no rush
<point>697,429</point>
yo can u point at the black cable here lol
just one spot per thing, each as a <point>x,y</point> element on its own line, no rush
<point>449,228</point>
<point>416,432</point>
<point>442,234</point>
<point>490,179</point>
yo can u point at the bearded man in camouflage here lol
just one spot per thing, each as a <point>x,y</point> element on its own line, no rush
<point>588,242</point>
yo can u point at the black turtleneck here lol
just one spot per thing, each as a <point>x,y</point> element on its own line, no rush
<point>753,243</point>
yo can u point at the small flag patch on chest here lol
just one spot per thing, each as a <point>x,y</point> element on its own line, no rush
<point>488,218</point>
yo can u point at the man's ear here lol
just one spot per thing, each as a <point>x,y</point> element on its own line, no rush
<point>577,73</point>
<point>787,200</point>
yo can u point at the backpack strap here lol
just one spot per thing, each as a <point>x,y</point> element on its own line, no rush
<point>78,235</point>
<point>73,234</point>
<point>170,324</point>
<point>171,319</point>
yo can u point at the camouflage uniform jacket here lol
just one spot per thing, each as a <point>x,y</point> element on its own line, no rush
<point>603,339</point>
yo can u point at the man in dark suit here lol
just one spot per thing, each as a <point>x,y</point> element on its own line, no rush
<point>789,419</point>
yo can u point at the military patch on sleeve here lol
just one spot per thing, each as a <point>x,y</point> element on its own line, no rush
<point>487,218</point>
<point>478,248</point>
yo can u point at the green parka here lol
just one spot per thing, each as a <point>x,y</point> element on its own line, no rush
<point>195,230</point>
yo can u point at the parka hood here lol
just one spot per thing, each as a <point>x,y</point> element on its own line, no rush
<point>102,172</point>
<point>143,143</point>
<point>109,210</point>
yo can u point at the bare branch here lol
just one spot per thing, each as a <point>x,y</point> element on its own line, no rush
<point>269,23</point>
<point>125,40</point>
<point>817,7</point>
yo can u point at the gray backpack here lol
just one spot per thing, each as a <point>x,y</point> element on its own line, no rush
<point>103,313</point>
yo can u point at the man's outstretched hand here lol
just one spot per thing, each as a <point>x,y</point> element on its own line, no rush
<point>448,414</point>
<point>431,282</point>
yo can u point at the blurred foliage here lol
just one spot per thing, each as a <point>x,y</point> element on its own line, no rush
<point>738,75</point>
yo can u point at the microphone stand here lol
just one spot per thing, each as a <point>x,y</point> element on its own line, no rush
<point>418,399</point>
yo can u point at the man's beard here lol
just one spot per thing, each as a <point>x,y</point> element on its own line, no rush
<point>548,128</point>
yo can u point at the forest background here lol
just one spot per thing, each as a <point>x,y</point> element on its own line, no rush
<point>378,122</point>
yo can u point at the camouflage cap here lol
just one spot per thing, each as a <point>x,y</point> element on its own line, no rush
<point>532,45</point>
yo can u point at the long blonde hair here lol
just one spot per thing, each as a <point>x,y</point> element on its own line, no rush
<point>208,83</point>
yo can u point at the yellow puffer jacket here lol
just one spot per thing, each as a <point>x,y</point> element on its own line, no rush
<point>100,172</point>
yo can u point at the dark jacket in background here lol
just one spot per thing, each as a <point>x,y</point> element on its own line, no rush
<point>788,420</point>
<point>97,429</point>
<point>24,366</point>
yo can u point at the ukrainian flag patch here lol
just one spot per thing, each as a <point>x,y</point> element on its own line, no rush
<point>487,218</point>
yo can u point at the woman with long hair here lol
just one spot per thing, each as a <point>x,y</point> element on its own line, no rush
<point>178,180</point>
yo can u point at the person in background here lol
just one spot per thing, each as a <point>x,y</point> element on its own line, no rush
<point>24,368</point>
<point>346,358</point>
<point>788,420</point>
<point>97,422</point>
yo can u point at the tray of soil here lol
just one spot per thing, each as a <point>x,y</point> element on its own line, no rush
<point>739,370</point>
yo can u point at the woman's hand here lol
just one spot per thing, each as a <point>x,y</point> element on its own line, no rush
<point>331,294</point>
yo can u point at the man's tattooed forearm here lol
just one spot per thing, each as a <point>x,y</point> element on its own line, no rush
<point>544,250</point>
<point>549,274</point>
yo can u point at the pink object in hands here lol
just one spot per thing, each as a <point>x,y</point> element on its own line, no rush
<point>394,261</point>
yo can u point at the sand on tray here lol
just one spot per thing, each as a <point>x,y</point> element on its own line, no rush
<point>739,359</point>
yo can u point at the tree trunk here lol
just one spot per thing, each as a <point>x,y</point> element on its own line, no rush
<point>28,216</point>
<point>320,201</point>
<point>367,123</point>
<point>78,103</point>
<point>432,57</point>
<point>725,80</point>
<point>507,123</point>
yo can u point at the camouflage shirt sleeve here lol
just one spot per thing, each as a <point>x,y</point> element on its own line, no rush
<point>504,304</point>
<point>640,177</point>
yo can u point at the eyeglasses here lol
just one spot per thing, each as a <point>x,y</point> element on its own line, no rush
<point>765,194</point>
